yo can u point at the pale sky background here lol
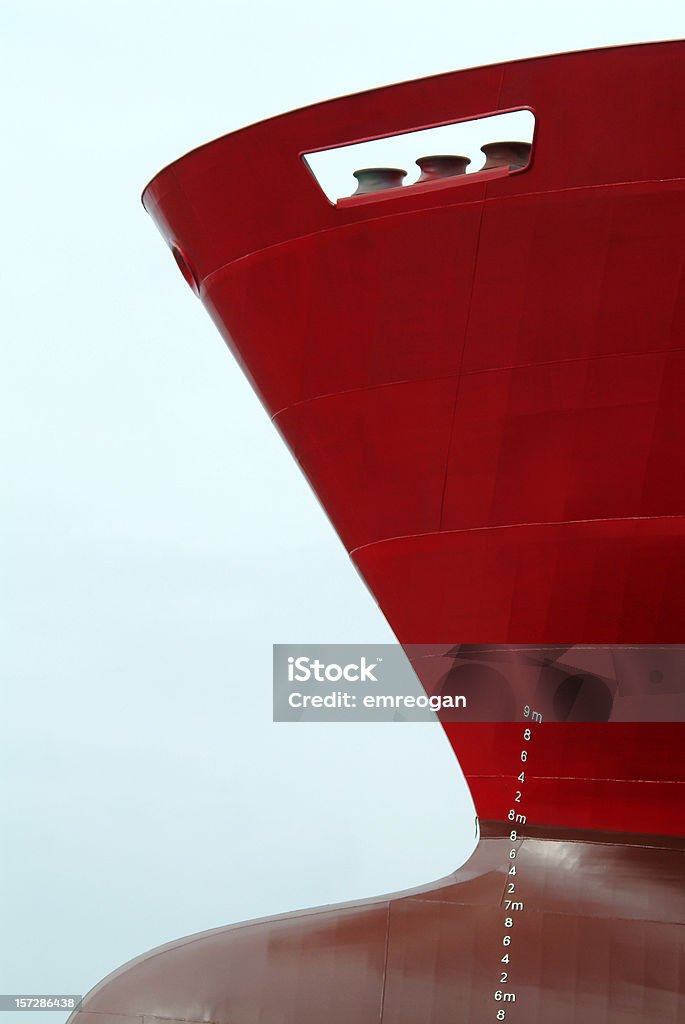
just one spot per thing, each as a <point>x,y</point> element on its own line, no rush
<point>157,536</point>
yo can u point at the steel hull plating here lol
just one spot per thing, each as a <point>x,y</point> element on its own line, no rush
<point>607,947</point>
<point>483,383</point>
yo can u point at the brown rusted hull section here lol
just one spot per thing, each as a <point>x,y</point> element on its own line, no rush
<point>601,940</point>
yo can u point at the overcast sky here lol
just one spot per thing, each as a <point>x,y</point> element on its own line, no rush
<point>158,538</point>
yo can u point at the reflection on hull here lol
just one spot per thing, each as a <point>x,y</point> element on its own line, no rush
<point>610,753</point>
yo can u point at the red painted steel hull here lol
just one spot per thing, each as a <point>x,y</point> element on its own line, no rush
<point>483,383</point>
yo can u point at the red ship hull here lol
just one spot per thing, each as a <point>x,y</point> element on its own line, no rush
<point>483,383</point>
